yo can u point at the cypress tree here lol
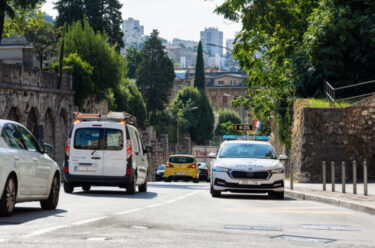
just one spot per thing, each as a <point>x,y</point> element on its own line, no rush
<point>199,69</point>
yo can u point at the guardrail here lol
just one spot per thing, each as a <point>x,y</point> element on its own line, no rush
<point>343,176</point>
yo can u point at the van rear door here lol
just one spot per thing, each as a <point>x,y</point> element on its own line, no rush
<point>86,154</point>
<point>114,150</point>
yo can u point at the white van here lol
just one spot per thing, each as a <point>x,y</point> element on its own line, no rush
<point>105,150</point>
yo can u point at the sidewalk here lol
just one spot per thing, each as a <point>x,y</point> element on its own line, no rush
<point>314,192</point>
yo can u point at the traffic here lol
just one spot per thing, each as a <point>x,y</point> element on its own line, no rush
<point>106,150</point>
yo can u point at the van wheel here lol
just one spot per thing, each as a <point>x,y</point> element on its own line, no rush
<point>131,188</point>
<point>143,188</point>
<point>8,199</point>
<point>53,198</point>
<point>68,188</point>
<point>86,187</point>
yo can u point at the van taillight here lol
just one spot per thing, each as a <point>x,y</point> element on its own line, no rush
<point>65,169</point>
<point>192,166</point>
<point>129,148</point>
<point>169,165</point>
<point>67,148</point>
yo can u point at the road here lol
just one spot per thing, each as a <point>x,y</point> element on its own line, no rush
<point>183,215</point>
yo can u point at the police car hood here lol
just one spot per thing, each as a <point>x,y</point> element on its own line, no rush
<point>248,163</point>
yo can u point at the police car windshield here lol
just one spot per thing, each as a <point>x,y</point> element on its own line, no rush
<point>243,150</point>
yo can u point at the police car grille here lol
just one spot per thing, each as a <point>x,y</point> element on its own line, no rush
<point>252,175</point>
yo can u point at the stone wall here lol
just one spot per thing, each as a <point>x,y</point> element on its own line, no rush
<point>333,134</point>
<point>33,98</point>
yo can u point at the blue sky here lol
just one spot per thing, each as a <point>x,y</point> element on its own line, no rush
<point>182,19</point>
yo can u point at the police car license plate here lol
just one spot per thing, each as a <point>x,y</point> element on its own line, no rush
<point>249,182</point>
<point>79,168</point>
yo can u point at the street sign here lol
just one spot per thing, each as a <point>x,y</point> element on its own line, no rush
<point>242,127</point>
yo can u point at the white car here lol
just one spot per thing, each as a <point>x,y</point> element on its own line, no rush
<point>247,167</point>
<point>27,173</point>
<point>105,150</point>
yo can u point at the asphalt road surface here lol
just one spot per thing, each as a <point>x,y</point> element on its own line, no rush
<point>183,215</point>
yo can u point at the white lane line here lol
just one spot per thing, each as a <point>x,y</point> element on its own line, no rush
<point>43,231</point>
<point>153,205</point>
<point>89,221</point>
<point>3,240</point>
<point>129,211</point>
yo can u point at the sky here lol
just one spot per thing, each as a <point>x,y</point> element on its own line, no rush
<point>182,19</point>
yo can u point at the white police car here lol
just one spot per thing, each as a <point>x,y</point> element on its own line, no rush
<point>247,167</point>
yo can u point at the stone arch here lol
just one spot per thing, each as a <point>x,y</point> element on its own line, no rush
<point>49,130</point>
<point>32,122</point>
<point>14,114</point>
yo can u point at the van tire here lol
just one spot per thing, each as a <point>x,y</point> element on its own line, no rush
<point>143,187</point>
<point>68,188</point>
<point>131,188</point>
<point>53,198</point>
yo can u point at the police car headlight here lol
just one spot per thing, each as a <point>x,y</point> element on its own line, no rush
<point>220,169</point>
<point>278,171</point>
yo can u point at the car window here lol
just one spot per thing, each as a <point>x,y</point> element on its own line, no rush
<point>161,167</point>
<point>88,138</point>
<point>243,150</point>
<point>114,139</point>
<point>12,137</point>
<point>28,139</point>
<point>181,160</point>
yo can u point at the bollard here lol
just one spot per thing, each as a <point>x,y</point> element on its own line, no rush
<point>324,175</point>
<point>333,176</point>
<point>343,176</point>
<point>365,177</point>
<point>291,174</point>
<point>354,177</point>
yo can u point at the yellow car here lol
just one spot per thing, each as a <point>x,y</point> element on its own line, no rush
<point>181,167</point>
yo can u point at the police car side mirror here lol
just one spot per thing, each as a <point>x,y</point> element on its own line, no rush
<point>148,149</point>
<point>212,155</point>
<point>283,157</point>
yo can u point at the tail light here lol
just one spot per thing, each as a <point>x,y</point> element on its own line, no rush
<point>192,166</point>
<point>169,165</point>
<point>205,172</point>
<point>129,171</point>
<point>129,148</point>
<point>65,169</point>
<point>67,148</point>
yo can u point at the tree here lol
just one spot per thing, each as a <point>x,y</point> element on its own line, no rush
<point>199,69</point>
<point>226,115</point>
<point>16,15</point>
<point>155,74</point>
<point>44,40</point>
<point>103,15</point>
<point>132,61</point>
<point>93,48</point>
<point>198,122</point>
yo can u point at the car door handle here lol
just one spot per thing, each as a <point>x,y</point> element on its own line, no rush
<point>96,158</point>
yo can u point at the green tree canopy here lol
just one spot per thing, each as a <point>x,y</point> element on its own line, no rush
<point>155,74</point>
<point>194,109</point>
<point>226,115</point>
<point>103,16</point>
<point>132,61</point>
<point>199,81</point>
<point>93,48</point>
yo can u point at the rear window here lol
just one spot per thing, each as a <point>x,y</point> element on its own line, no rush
<point>181,160</point>
<point>98,139</point>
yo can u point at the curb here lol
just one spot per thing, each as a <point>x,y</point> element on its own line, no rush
<point>331,201</point>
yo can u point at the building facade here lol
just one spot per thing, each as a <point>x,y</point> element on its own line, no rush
<point>212,36</point>
<point>133,31</point>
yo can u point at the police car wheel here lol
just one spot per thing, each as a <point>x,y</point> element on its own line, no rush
<point>215,193</point>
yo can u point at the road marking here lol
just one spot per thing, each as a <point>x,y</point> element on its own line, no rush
<point>129,211</point>
<point>254,228</point>
<point>329,227</point>
<point>140,227</point>
<point>96,239</point>
<point>89,221</point>
<point>302,238</point>
<point>3,240</point>
<point>43,231</point>
<point>154,205</point>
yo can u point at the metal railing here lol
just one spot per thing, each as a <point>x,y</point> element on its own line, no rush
<point>331,93</point>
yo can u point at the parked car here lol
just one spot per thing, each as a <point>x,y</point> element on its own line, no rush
<point>181,167</point>
<point>203,172</point>
<point>27,173</point>
<point>105,150</point>
<point>159,173</point>
<point>247,166</point>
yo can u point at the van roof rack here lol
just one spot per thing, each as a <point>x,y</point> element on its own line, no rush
<point>111,116</point>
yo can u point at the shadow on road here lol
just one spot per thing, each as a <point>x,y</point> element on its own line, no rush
<point>25,214</point>
<point>253,197</point>
<point>116,194</point>
<point>198,186</point>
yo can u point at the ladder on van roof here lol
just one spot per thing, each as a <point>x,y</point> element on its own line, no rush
<point>123,117</point>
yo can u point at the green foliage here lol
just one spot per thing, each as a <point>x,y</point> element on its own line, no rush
<point>164,123</point>
<point>82,77</point>
<point>103,15</point>
<point>128,98</point>
<point>132,61</point>
<point>93,48</point>
<point>226,115</point>
<point>44,39</point>
<point>226,128</point>
<point>18,15</point>
<point>155,74</point>
<point>194,112</point>
<point>199,81</point>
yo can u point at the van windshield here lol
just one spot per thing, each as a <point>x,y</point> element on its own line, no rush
<point>181,160</point>
<point>98,139</point>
